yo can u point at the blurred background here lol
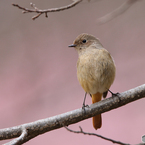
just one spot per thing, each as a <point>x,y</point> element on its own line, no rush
<point>38,71</point>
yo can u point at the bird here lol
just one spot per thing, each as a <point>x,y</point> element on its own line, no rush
<point>95,69</point>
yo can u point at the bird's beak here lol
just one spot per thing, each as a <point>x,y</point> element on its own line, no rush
<point>72,45</point>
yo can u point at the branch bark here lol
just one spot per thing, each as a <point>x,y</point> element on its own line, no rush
<point>45,11</point>
<point>28,131</point>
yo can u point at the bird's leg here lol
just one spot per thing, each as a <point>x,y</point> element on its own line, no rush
<point>115,94</point>
<point>84,101</point>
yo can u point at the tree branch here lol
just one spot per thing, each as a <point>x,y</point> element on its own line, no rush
<point>124,7</point>
<point>20,139</point>
<point>40,12</point>
<point>28,131</point>
<point>94,134</point>
<point>105,138</point>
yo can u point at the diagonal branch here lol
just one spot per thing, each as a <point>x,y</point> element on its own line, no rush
<point>45,11</point>
<point>30,130</point>
<point>124,7</point>
<point>94,134</point>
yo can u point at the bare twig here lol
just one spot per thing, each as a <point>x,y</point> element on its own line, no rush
<point>28,131</point>
<point>124,7</point>
<point>94,134</point>
<point>45,11</point>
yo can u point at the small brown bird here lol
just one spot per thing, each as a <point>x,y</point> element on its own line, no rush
<point>95,69</point>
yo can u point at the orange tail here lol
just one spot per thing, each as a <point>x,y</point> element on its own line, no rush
<point>97,120</point>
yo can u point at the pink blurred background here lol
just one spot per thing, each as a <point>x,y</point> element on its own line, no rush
<point>38,70</point>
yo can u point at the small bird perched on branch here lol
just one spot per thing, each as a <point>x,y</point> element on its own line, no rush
<point>95,69</point>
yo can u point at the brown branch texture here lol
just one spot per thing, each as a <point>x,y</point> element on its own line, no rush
<point>28,131</point>
<point>45,11</point>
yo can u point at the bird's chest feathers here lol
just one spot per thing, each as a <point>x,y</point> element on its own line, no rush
<point>88,65</point>
<point>93,71</point>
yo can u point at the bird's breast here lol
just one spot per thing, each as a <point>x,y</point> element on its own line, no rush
<point>96,71</point>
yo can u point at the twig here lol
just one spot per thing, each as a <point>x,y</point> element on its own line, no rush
<point>94,134</point>
<point>28,131</point>
<point>124,7</point>
<point>45,11</point>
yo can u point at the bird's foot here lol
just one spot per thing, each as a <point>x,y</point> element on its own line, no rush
<point>115,94</point>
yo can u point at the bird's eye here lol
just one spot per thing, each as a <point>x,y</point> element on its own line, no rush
<point>84,41</point>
